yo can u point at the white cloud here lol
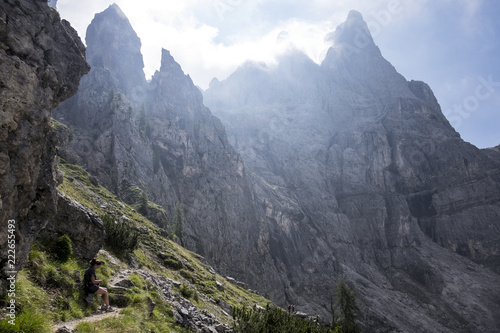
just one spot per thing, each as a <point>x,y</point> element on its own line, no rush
<point>211,38</point>
<point>196,45</point>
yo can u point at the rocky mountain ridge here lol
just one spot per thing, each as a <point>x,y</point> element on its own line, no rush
<point>343,177</point>
<point>362,176</point>
<point>342,170</point>
<point>157,139</point>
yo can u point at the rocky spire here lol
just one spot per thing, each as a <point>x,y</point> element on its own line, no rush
<point>353,36</point>
<point>355,57</point>
<point>170,86</point>
<point>113,44</point>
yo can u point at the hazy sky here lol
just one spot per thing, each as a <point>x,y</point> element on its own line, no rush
<point>453,45</point>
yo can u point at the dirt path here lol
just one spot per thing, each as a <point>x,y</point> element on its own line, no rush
<point>91,319</point>
<point>99,315</point>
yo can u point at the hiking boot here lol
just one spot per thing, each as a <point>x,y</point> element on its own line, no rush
<point>109,309</point>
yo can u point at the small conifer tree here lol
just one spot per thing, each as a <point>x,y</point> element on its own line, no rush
<point>179,222</point>
<point>143,123</point>
<point>63,250</point>
<point>346,301</point>
<point>143,205</point>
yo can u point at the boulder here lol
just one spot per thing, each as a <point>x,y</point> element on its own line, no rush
<point>125,283</point>
<point>82,225</point>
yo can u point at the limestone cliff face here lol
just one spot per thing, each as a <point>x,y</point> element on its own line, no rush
<point>358,175</point>
<point>41,62</point>
<point>206,174</point>
<point>159,139</point>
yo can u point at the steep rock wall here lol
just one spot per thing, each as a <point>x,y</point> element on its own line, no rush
<point>358,175</point>
<point>41,62</point>
<point>158,138</point>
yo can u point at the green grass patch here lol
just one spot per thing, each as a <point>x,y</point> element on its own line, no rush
<point>32,304</point>
<point>154,253</point>
<point>57,125</point>
<point>137,280</point>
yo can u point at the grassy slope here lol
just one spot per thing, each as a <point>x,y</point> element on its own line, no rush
<point>48,292</point>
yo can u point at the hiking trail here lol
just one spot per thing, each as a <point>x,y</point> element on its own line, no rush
<point>99,315</point>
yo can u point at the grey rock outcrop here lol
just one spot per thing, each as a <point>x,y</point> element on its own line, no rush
<point>82,225</point>
<point>358,175</point>
<point>185,312</point>
<point>41,62</point>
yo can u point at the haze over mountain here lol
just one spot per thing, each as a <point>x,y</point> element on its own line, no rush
<point>343,170</point>
<point>158,139</point>
<point>364,178</point>
<point>452,46</point>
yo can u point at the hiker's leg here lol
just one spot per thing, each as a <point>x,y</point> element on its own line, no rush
<point>104,293</point>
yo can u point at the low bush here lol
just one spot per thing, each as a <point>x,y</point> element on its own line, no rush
<point>62,250</point>
<point>272,319</point>
<point>121,236</point>
<point>186,292</point>
<point>173,263</point>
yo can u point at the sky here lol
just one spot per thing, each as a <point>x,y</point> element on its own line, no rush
<point>452,45</point>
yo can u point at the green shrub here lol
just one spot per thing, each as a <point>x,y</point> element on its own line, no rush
<point>170,261</point>
<point>143,208</point>
<point>120,236</point>
<point>272,319</point>
<point>62,249</point>
<point>186,292</point>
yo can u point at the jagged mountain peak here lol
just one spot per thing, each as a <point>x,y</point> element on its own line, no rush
<point>168,64</point>
<point>351,41</point>
<point>354,31</point>
<point>112,44</point>
<point>354,57</point>
<point>111,21</point>
<point>173,85</point>
<point>115,9</point>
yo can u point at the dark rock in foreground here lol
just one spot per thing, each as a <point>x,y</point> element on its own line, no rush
<point>41,62</point>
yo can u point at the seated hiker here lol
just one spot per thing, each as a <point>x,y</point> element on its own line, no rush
<point>92,285</point>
